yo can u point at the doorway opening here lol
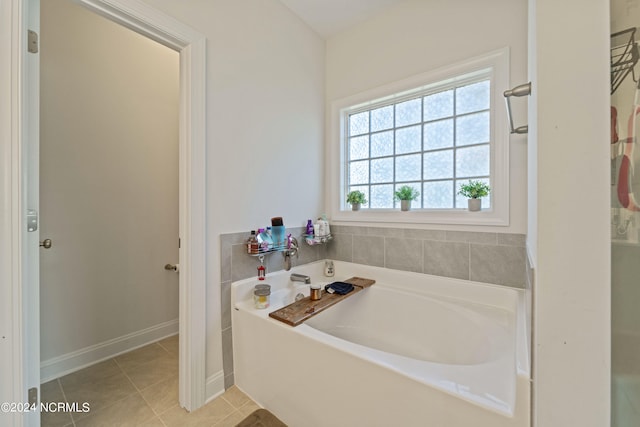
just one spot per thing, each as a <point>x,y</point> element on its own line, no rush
<point>190,46</point>
<point>109,109</point>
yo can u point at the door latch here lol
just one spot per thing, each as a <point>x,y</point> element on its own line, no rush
<point>32,41</point>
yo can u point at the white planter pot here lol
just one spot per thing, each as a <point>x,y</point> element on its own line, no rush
<point>474,204</point>
<point>355,206</point>
<point>405,205</point>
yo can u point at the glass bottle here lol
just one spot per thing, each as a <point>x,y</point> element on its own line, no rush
<point>252,243</point>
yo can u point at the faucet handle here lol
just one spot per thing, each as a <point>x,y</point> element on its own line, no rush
<point>292,246</point>
<point>292,242</point>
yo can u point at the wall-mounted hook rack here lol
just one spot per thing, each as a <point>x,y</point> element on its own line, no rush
<point>522,90</point>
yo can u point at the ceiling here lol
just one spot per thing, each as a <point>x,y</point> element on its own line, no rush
<point>329,17</point>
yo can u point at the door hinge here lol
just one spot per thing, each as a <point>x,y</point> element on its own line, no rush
<point>32,41</point>
<point>33,396</point>
<point>32,220</point>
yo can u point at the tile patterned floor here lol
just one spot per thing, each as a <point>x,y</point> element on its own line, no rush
<point>139,388</point>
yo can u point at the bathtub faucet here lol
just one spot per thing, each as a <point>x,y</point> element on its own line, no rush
<point>292,249</point>
<point>295,277</point>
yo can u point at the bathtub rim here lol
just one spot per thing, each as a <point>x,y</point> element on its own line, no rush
<point>448,288</point>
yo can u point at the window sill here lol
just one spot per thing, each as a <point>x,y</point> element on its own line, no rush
<point>419,216</point>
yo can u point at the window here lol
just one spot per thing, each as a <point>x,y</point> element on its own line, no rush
<point>434,136</point>
<point>433,142</point>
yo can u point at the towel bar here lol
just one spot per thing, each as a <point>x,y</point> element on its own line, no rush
<point>522,90</point>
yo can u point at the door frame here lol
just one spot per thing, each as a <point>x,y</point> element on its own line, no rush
<point>12,339</point>
<point>191,45</point>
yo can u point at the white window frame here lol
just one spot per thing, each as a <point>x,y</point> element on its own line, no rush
<point>497,63</point>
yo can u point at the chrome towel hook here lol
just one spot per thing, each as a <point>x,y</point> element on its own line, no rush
<point>522,90</point>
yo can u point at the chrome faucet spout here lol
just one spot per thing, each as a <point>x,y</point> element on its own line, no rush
<point>295,277</point>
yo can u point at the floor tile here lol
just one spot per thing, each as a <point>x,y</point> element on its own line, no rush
<point>99,393</point>
<point>170,344</point>
<point>92,373</point>
<point>153,422</point>
<point>153,371</point>
<point>231,420</point>
<point>51,392</point>
<point>162,396</point>
<point>140,356</point>
<point>207,416</point>
<point>248,408</point>
<point>109,389</point>
<point>131,411</point>
<point>235,397</point>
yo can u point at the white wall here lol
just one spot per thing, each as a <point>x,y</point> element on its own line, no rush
<point>109,181</point>
<point>569,230</point>
<point>418,36</point>
<point>573,292</point>
<point>265,101</point>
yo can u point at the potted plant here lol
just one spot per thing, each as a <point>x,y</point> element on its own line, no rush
<point>406,194</point>
<point>356,198</point>
<point>474,191</point>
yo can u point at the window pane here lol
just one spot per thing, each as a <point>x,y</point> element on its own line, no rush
<point>472,129</point>
<point>382,144</point>
<point>359,172</point>
<point>381,196</point>
<point>364,189</point>
<point>438,134</point>
<point>382,118</point>
<point>438,195</point>
<point>433,142</point>
<point>438,105</point>
<point>438,164</point>
<point>472,161</point>
<point>409,112</point>
<point>461,201</point>
<point>473,97</point>
<point>408,140</point>
<point>382,170</point>
<point>359,123</point>
<point>408,168</point>
<point>359,147</point>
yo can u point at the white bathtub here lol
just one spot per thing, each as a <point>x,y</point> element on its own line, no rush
<point>412,350</point>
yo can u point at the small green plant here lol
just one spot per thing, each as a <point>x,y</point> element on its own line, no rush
<point>406,192</point>
<point>356,197</point>
<point>474,190</point>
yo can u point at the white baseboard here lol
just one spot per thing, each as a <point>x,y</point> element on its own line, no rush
<point>62,365</point>
<point>214,386</point>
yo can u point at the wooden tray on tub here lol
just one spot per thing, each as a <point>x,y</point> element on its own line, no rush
<point>301,310</point>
